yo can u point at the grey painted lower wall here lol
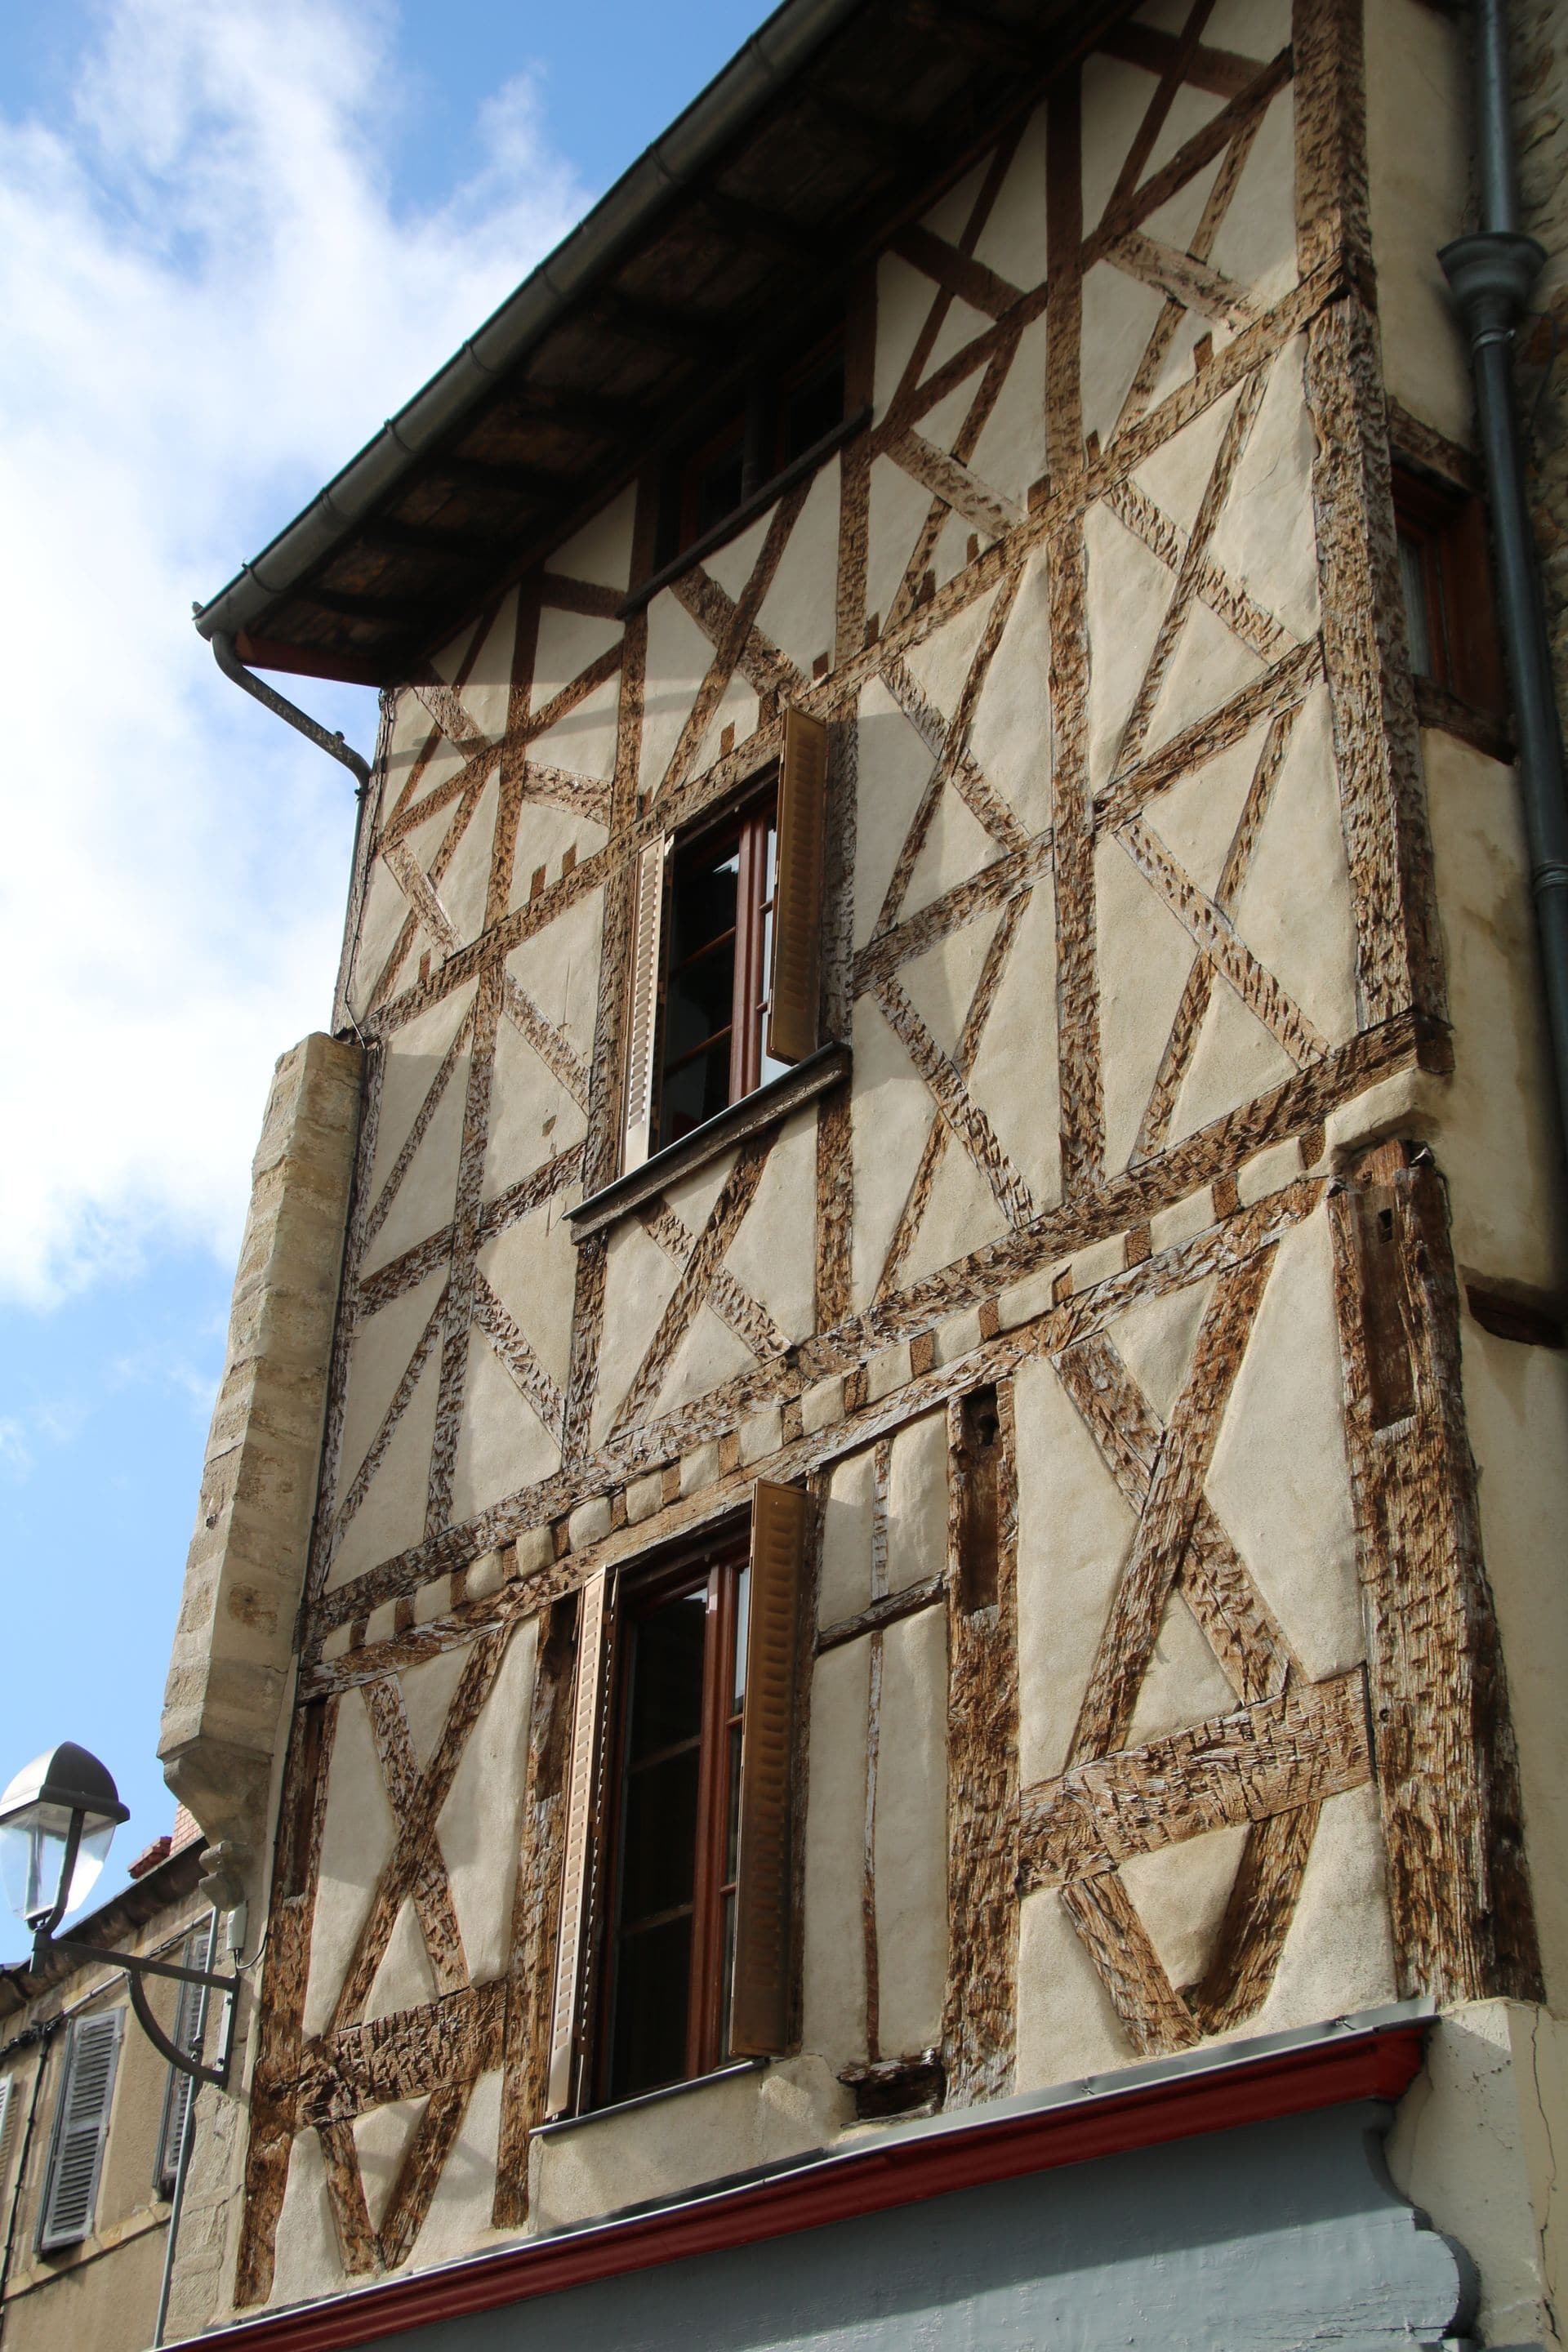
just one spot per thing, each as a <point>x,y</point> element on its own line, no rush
<point>1274,2237</point>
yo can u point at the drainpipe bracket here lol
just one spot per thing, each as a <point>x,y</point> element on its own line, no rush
<point>1491,273</point>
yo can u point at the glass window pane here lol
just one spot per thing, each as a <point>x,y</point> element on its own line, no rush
<point>667,1674</point>
<point>742,1615</point>
<point>660,1865</point>
<point>699,1091</point>
<point>649,2040</point>
<point>1417,624</point>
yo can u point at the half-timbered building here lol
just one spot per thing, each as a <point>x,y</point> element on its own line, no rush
<point>886,1513</point>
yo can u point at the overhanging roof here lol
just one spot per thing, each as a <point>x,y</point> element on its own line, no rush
<point>838,120</point>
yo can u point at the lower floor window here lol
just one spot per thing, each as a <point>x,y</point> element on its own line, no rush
<point>675,1828</point>
<point>674,1939</point>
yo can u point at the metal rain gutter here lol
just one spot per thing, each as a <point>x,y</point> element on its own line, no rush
<point>772,56</point>
<point>1491,273</point>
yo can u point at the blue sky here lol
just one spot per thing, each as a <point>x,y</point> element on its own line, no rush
<point>231,241</point>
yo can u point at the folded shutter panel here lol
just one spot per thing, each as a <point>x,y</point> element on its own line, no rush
<point>187,2036</point>
<point>580,1869</point>
<point>81,2126</point>
<point>642,1025</point>
<point>797,901</point>
<point>7,2089</point>
<point>759,2016</point>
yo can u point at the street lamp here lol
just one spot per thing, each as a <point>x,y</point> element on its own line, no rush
<point>58,1819</point>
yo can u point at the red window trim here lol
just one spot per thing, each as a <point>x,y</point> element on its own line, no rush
<point>1379,2062</point>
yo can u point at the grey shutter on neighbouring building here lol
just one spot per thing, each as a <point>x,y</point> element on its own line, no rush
<point>8,2097</point>
<point>178,2091</point>
<point>81,2127</point>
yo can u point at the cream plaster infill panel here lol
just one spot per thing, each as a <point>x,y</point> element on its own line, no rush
<point>534,1118</point>
<point>356,1844</point>
<point>917,1502</point>
<point>1116,98</point>
<point>602,551</point>
<point>1010,454</point>
<point>558,965</point>
<point>405,1979</point>
<point>1234,1060</point>
<point>941,982</point>
<point>381,1349</point>
<point>897,508</point>
<point>504,1442</point>
<point>486,692</point>
<point>1014,1076</point>
<point>905,298</point>
<point>1013,241</point>
<point>709,1354</point>
<point>891,1113</point>
<point>710,2131</point>
<point>1119,314</point>
<point>1074,1531</point>
<point>465,885</point>
<point>1155,1337</point>
<point>546,833</point>
<point>798,611</point>
<point>844,1584</point>
<point>582,742</point>
<point>391,1518</point>
<point>382,2140</point>
<point>834,1976</point>
<point>1294,909</point>
<point>425,1191</point>
<point>1265,537</point>
<point>1067,2028</point>
<point>1185,1683</point>
<point>1010,734</point>
<point>1195,818</point>
<point>1145,956</point>
<point>638,1281</point>
<point>893,767</point>
<point>532,1266</point>
<point>458,2220</point>
<point>309,2262</point>
<point>380,925</point>
<point>1499,1148</point>
<point>961,1214</point>
<point>1127,591</point>
<point>1257,240</point>
<point>1208,665</point>
<point>679,659</point>
<point>773,1254</point>
<point>1338,1951</point>
<point>1180,1893</point>
<point>940,662</point>
<point>478,1825</point>
<point>1418,112</point>
<point>911,1844</point>
<point>1279,1480</point>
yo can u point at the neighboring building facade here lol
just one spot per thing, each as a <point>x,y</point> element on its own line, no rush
<point>91,2118</point>
<point>894,1440</point>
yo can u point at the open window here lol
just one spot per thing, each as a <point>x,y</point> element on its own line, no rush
<point>727,949</point>
<point>784,412</point>
<point>674,1942</point>
<point>1444,570</point>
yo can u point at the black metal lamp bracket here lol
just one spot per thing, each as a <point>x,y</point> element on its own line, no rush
<point>137,1968</point>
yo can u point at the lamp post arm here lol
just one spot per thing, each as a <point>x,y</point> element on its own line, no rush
<point>136,1968</point>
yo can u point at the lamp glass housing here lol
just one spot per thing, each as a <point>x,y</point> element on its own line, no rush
<point>32,1856</point>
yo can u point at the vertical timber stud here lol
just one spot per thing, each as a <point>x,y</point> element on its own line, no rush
<point>797,904</point>
<point>760,2008</point>
<point>642,1022</point>
<point>1370,699</point>
<point>1447,1768</point>
<point>536,1906</point>
<point>979,2026</point>
<point>580,1861</point>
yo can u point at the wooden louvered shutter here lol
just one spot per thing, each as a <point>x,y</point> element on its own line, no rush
<point>7,2096</point>
<point>580,1863</point>
<point>81,2127</point>
<point>187,2036</point>
<point>642,1019</point>
<point>798,899</point>
<point>759,2015</point>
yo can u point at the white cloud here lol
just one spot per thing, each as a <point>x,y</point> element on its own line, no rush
<point>212,297</point>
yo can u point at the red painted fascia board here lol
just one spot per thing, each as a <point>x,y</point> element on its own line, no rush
<point>1378,2065</point>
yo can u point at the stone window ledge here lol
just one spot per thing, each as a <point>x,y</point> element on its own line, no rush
<point>763,1108</point>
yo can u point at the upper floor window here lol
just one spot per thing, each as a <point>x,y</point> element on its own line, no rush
<point>784,415</point>
<point>1444,573</point>
<point>726,953</point>
<point>674,1944</point>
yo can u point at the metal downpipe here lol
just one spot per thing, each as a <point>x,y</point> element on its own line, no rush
<point>1492,274</point>
<point>228,661</point>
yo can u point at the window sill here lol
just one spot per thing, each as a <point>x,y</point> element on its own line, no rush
<point>828,1066</point>
<point>765,495</point>
<point>736,2066</point>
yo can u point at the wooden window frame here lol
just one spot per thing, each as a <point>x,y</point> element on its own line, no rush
<point>749,820</point>
<point>772,1539</point>
<point>716,1567</point>
<point>1447,527</point>
<point>754,425</point>
<point>781,1002</point>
